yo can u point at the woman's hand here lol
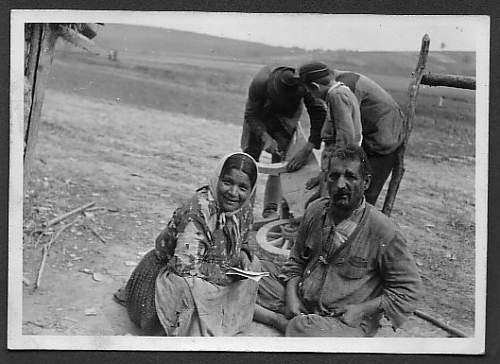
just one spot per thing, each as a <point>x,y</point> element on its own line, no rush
<point>244,261</point>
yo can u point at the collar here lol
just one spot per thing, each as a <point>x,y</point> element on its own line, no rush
<point>354,217</point>
<point>358,212</point>
<point>335,85</point>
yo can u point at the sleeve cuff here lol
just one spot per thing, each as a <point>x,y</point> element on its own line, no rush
<point>397,318</point>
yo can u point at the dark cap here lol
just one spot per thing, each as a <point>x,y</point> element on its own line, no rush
<point>312,71</point>
<point>283,81</point>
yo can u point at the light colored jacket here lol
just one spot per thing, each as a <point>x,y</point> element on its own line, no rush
<point>343,121</point>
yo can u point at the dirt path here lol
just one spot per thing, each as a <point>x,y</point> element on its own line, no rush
<point>139,163</point>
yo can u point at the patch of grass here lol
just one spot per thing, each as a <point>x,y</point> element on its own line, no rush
<point>460,218</point>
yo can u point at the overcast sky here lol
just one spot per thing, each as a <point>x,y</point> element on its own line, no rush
<point>309,31</point>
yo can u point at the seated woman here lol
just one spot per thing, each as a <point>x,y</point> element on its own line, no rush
<point>192,294</point>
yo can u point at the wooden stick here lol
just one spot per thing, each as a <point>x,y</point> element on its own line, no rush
<point>79,40</point>
<point>35,324</point>
<point>45,249</point>
<point>457,81</point>
<point>68,214</point>
<point>398,169</point>
<point>42,233</point>
<point>64,227</point>
<point>96,208</point>
<point>452,330</point>
<point>97,234</point>
<point>38,282</point>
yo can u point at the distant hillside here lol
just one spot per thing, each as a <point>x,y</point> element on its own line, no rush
<point>154,42</point>
<point>392,63</point>
<point>149,40</point>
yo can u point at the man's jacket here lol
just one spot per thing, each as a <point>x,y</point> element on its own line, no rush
<point>381,116</point>
<point>374,261</point>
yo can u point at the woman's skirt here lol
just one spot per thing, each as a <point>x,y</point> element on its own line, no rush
<point>191,306</point>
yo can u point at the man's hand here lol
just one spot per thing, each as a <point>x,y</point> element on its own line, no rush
<point>300,158</point>
<point>271,145</point>
<point>293,304</point>
<point>353,315</point>
<point>312,182</point>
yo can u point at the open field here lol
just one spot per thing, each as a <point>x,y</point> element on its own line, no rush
<point>139,135</point>
<point>169,85</point>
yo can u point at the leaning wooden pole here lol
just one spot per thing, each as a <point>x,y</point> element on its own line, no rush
<point>40,41</point>
<point>398,170</point>
<point>450,329</point>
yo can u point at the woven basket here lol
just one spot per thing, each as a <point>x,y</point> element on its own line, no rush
<point>140,291</point>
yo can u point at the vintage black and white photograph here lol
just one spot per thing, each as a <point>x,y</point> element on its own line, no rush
<point>248,181</point>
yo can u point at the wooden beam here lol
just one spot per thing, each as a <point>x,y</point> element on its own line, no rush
<point>398,170</point>
<point>40,54</point>
<point>457,81</point>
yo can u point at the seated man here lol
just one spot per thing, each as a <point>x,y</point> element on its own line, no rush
<point>274,106</point>
<point>348,267</point>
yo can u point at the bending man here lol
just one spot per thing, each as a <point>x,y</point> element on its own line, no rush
<point>274,106</point>
<point>381,119</point>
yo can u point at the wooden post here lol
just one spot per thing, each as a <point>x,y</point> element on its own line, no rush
<point>398,170</point>
<point>39,54</point>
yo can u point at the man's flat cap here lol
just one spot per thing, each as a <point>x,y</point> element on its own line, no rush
<point>312,71</point>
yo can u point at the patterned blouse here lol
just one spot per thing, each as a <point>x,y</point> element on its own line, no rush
<point>202,241</point>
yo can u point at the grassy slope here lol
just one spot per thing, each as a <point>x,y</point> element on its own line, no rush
<point>149,40</point>
<point>179,84</point>
<point>163,42</point>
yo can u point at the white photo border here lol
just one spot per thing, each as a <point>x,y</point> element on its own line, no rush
<point>16,340</point>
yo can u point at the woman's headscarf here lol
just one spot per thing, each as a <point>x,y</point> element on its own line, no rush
<point>214,180</point>
<point>230,221</point>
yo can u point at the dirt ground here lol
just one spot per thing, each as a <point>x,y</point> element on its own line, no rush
<point>138,163</point>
